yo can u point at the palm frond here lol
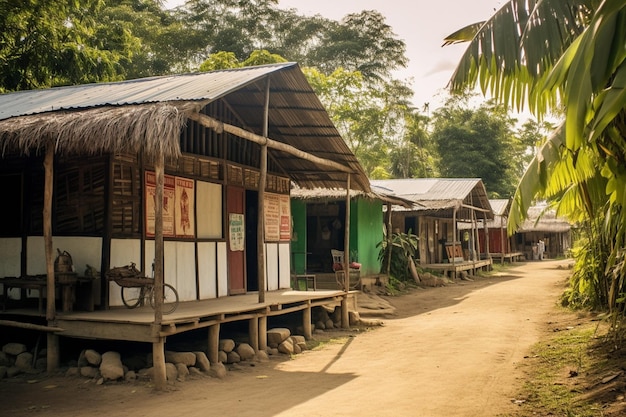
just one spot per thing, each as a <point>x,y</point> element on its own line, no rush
<point>513,51</point>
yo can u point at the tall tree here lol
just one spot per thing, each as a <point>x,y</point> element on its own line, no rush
<point>46,43</point>
<point>477,143</point>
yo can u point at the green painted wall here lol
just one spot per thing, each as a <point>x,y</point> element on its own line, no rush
<point>366,218</point>
<point>366,225</point>
<point>298,240</point>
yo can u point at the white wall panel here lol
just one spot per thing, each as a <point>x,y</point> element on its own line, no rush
<point>207,269</point>
<point>271,249</point>
<point>222,270</point>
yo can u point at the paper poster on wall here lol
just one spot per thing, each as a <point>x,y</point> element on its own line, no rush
<point>185,207</point>
<point>285,217</point>
<point>272,217</point>
<point>277,217</point>
<point>169,197</point>
<point>236,232</point>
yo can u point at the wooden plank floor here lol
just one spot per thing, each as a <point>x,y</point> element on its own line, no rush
<point>121,323</point>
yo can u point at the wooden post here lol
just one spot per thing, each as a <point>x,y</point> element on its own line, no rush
<point>454,231</point>
<point>345,315</point>
<point>263,333</point>
<point>261,200</point>
<point>158,347</point>
<point>53,354</point>
<point>253,332</point>
<point>389,238</point>
<point>306,321</point>
<point>213,347</point>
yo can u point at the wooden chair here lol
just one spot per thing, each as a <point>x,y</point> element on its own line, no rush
<point>354,274</point>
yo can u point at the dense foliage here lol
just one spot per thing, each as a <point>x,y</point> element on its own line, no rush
<point>350,63</point>
<point>571,55</point>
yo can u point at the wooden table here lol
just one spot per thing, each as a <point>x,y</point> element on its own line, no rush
<point>65,282</point>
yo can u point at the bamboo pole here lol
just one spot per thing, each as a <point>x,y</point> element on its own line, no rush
<point>345,315</point>
<point>158,347</point>
<point>220,127</point>
<point>53,350</point>
<point>261,201</point>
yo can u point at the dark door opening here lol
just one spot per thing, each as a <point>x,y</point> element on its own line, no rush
<point>252,251</point>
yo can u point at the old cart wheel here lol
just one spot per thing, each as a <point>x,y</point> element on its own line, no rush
<point>132,296</point>
<point>170,298</point>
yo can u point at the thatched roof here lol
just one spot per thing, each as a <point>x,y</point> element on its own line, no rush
<point>543,219</point>
<point>324,195</point>
<point>440,196</point>
<point>148,115</point>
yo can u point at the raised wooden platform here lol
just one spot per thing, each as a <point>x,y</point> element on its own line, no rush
<point>451,269</point>
<point>121,323</point>
<point>510,257</point>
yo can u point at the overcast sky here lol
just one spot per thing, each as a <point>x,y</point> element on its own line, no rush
<point>421,24</point>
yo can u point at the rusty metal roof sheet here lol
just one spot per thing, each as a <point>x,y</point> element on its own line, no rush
<point>440,195</point>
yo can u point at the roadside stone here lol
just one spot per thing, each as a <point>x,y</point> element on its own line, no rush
<point>13,371</point>
<point>222,356</point>
<point>14,349</point>
<point>24,361</point>
<point>4,359</point>
<point>227,345</point>
<point>286,347</point>
<point>186,358</point>
<point>320,325</point>
<point>171,373</point>
<point>245,352</point>
<point>111,366</point>
<point>233,357</point>
<point>183,372</point>
<point>202,362</point>
<point>3,371</point>
<point>195,372</point>
<point>130,376</point>
<point>72,371</point>
<point>145,373</point>
<point>277,336</point>
<point>92,357</point>
<point>300,341</point>
<point>272,351</point>
<point>218,370</point>
<point>41,364</point>
<point>261,356</point>
<point>329,324</point>
<point>88,371</point>
<point>82,360</point>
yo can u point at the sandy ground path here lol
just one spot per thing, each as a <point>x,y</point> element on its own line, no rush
<point>448,351</point>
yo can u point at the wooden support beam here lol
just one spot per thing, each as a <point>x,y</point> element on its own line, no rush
<point>53,355</point>
<point>345,316</point>
<point>306,322</point>
<point>220,127</point>
<point>30,326</point>
<point>213,347</point>
<point>253,333</point>
<point>263,333</point>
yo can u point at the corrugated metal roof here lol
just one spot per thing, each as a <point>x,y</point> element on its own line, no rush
<point>500,206</point>
<point>296,116</point>
<point>439,194</point>
<point>183,87</point>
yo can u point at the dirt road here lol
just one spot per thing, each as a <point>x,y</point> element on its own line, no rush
<point>449,351</point>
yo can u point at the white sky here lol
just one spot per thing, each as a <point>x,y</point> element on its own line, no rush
<point>421,24</point>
